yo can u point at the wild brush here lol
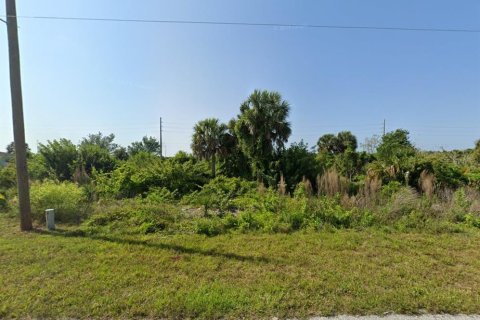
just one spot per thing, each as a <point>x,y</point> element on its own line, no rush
<point>331,183</point>
<point>427,183</point>
<point>282,185</point>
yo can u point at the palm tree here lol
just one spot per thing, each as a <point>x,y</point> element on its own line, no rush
<point>208,140</point>
<point>262,129</point>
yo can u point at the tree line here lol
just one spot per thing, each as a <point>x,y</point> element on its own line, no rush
<point>253,146</point>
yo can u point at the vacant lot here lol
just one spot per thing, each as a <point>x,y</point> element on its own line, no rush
<point>64,274</point>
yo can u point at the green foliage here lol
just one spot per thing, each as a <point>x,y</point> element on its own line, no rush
<point>161,195</point>
<point>390,189</point>
<point>220,193</point>
<point>209,141</point>
<point>60,156</point>
<point>3,202</point>
<point>476,152</point>
<point>472,220</point>
<point>66,198</point>
<point>8,177</point>
<point>337,144</point>
<point>132,216</point>
<point>394,156</point>
<point>395,146</point>
<point>144,171</point>
<point>447,174</point>
<point>262,129</point>
<point>93,156</point>
<point>38,169</point>
<point>213,226</point>
<point>460,206</point>
<point>147,145</point>
<point>298,162</point>
<point>101,141</point>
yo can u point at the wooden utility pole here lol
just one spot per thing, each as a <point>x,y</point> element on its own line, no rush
<point>17,113</point>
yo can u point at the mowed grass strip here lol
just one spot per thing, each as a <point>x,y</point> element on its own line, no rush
<point>254,276</point>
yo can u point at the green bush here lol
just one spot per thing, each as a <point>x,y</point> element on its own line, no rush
<point>220,193</point>
<point>460,206</point>
<point>3,202</point>
<point>472,221</point>
<point>390,189</point>
<point>144,172</point>
<point>132,216</point>
<point>210,226</point>
<point>66,198</point>
<point>161,195</point>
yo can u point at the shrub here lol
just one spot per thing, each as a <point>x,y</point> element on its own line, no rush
<point>403,202</point>
<point>390,189</point>
<point>66,198</point>
<point>144,172</point>
<point>210,226</point>
<point>161,195</point>
<point>460,206</point>
<point>472,221</point>
<point>329,211</point>
<point>220,193</point>
<point>3,202</point>
<point>132,216</point>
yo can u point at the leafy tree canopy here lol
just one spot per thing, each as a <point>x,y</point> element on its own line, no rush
<point>262,129</point>
<point>148,145</point>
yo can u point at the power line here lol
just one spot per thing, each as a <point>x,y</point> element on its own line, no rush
<point>251,24</point>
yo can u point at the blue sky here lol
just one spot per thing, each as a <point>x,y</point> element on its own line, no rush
<point>85,77</point>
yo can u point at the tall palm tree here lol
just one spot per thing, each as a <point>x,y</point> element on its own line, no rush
<point>262,129</point>
<point>208,140</point>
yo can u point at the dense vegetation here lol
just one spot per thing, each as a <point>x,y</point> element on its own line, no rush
<point>243,176</point>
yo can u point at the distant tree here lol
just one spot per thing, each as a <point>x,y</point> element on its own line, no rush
<point>96,152</point>
<point>395,157</point>
<point>395,146</point>
<point>121,153</point>
<point>476,152</point>
<point>337,144</point>
<point>328,143</point>
<point>208,141</point>
<point>299,162</point>
<point>60,157</point>
<point>148,145</point>
<point>37,168</point>
<point>98,139</point>
<point>371,144</point>
<point>93,156</point>
<point>11,149</point>
<point>262,130</point>
<point>234,162</point>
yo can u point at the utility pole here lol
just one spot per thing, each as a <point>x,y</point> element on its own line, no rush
<point>384,126</point>
<point>161,139</point>
<point>17,114</point>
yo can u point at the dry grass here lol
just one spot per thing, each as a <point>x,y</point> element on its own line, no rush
<point>331,183</point>
<point>307,186</point>
<point>282,186</point>
<point>427,183</point>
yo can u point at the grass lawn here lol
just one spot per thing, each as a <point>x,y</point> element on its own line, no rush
<point>254,276</point>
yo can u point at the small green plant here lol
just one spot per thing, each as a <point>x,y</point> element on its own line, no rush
<point>132,216</point>
<point>460,206</point>
<point>472,221</point>
<point>220,194</point>
<point>3,202</point>
<point>66,198</point>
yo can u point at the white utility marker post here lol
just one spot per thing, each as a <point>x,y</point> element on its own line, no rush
<point>50,216</point>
